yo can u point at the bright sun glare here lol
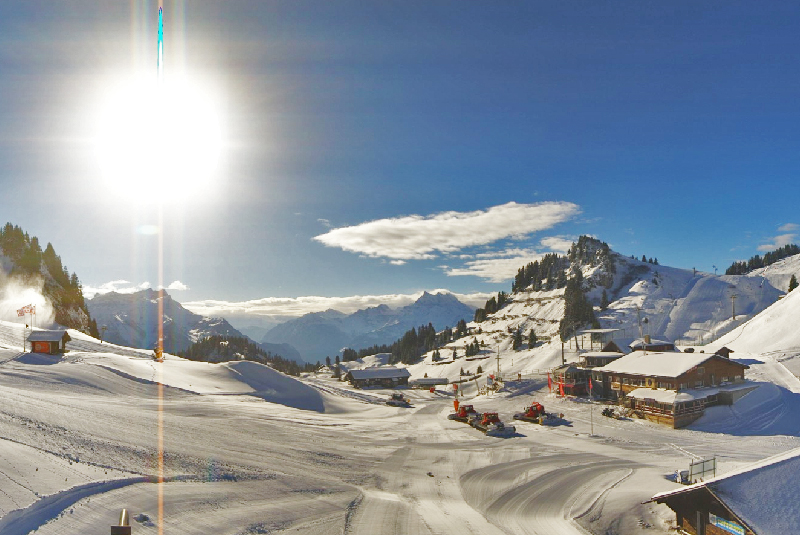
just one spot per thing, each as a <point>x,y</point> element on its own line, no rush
<point>158,143</point>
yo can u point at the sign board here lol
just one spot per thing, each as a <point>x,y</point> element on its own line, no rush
<point>726,525</point>
<point>701,470</point>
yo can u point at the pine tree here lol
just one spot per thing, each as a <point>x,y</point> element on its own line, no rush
<point>604,300</point>
<point>532,339</point>
<point>516,343</point>
<point>792,283</point>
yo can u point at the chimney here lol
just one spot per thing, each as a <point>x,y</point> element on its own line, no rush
<point>647,339</point>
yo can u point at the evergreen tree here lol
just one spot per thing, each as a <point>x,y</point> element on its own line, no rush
<point>604,300</point>
<point>532,339</point>
<point>792,283</point>
<point>516,341</point>
<point>328,362</point>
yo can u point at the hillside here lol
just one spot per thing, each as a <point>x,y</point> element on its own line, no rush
<point>320,334</point>
<point>675,304</point>
<point>32,276</point>
<point>774,330</point>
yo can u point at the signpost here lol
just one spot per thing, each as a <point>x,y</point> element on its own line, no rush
<point>699,470</point>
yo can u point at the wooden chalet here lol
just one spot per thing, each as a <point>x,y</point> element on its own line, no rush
<point>569,380</point>
<point>50,342</point>
<point>760,499</point>
<point>387,376</point>
<point>670,388</point>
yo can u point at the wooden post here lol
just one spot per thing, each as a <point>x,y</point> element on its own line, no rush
<point>124,527</point>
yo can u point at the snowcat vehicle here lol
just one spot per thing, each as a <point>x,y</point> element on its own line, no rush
<point>397,400</point>
<point>462,414</point>
<point>490,424</point>
<point>533,413</point>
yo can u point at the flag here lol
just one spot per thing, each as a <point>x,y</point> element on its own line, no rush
<point>549,383</point>
<point>21,312</point>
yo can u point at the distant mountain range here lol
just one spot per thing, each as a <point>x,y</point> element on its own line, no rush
<point>132,320</point>
<point>320,334</point>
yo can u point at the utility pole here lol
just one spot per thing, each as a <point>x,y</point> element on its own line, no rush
<point>498,362</point>
<point>733,305</point>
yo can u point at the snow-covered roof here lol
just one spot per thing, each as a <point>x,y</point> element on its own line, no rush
<point>653,342</point>
<point>764,495</point>
<point>49,336</point>
<point>379,373</point>
<point>602,354</point>
<point>664,364</point>
<point>690,394</point>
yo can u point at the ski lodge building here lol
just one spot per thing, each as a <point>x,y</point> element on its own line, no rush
<point>49,342</point>
<point>760,499</point>
<point>386,376</point>
<point>670,388</point>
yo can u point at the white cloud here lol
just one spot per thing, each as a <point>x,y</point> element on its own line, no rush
<point>558,244</point>
<point>789,227</point>
<point>778,241</point>
<point>499,267</point>
<point>125,287</point>
<point>297,306</point>
<point>397,262</point>
<point>418,237</point>
<point>177,286</point>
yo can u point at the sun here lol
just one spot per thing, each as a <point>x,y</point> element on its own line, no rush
<point>158,143</point>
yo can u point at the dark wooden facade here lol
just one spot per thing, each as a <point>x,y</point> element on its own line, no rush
<point>570,380</point>
<point>387,378</point>
<point>700,512</point>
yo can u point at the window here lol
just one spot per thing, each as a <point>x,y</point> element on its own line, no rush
<point>701,370</point>
<point>626,381</point>
<point>698,383</point>
<point>684,386</point>
<point>724,378</point>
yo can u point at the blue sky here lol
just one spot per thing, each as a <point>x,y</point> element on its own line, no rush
<point>373,148</point>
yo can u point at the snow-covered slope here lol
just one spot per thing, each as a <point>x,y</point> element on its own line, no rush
<point>774,329</point>
<point>322,334</point>
<point>779,273</point>
<point>681,305</point>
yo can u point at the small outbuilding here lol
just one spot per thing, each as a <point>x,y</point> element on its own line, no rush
<point>428,382</point>
<point>50,342</point>
<point>760,499</point>
<point>385,376</point>
<point>651,344</point>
